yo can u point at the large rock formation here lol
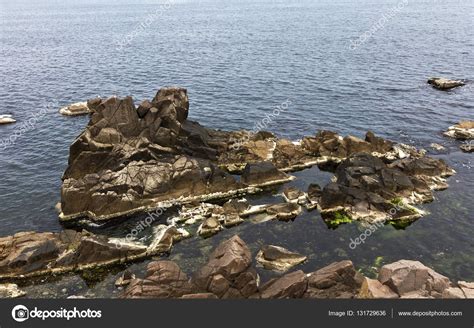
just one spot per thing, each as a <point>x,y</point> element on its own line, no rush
<point>28,254</point>
<point>132,160</point>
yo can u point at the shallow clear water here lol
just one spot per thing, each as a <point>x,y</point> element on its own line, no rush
<point>240,59</point>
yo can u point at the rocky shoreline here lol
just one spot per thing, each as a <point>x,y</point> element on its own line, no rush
<point>229,273</point>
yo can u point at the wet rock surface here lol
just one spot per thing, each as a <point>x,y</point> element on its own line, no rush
<point>28,254</point>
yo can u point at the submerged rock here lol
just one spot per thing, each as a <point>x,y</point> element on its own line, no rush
<point>278,258</point>
<point>6,119</point>
<point>444,84</point>
<point>79,108</point>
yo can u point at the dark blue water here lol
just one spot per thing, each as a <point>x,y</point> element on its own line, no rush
<point>240,59</point>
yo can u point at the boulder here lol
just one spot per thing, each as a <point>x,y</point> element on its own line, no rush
<point>294,195</point>
<point>291,285</point>
<point>453,292</point>
<point>463,130</point>
<point>75,109</point>
<point>278,258</point>
<point>467,147</point>
<point>337,280</point>
<point>444,84</point>
<point>405,277</point>
<point>227,274</point>
<point>283,211</point>
<point>164,279</point>
<point>372,288</point>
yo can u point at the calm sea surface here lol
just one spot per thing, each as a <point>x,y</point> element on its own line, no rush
<point>240,59</point>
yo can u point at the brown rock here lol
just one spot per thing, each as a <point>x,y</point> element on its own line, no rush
<point>291,285</point>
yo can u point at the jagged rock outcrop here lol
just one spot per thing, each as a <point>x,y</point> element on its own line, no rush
<point>134,159</point>
<point>131,160</point>
<point>366,188</point>
<point>28,254</point>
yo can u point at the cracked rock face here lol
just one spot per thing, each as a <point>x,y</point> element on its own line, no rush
<point>366,188</point>
<point>132,159</point>
<point>28,254</point>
